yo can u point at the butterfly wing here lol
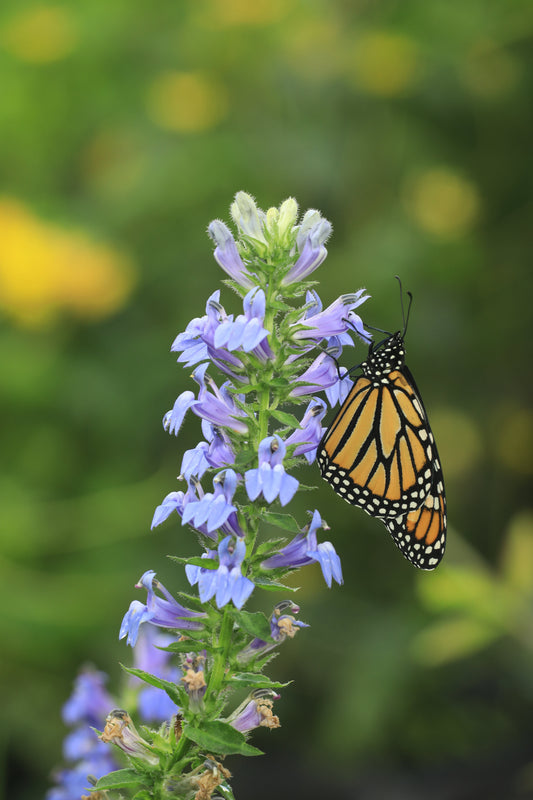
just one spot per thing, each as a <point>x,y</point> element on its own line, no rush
<point>421,534</point>
<point>378,453</point>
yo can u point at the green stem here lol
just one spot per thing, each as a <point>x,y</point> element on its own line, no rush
<point>221,657</point>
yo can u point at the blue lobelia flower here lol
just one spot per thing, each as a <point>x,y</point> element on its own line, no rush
<point>195,462</point>
<point>220,452</point>
<point>213,509</point>
<point>336,319</point>
<point>165,613</point>
<point>314,231</point>
<point>283,625</point>
<point>89,701</point>
<point>322,373</point>
<point>307,437</point>
<point>227,255</point>
<point>217,406</point>
<point>304,549</point>
<point>227,581</point>
<point>84,753</point>
<point>245,332</point>
<point>270,478</point>
<point>255,711</point>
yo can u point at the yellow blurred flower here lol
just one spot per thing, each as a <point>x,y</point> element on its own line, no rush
<point>40,34</point>
<point>384,63</point>
<point>442,202</point>
<point>186,101</point>
<point>45,269</point>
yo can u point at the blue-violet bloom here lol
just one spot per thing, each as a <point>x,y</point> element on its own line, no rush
<point>304,549</point>
<point>165,613</point>
<point>270,478</point>
<point>227,581</point>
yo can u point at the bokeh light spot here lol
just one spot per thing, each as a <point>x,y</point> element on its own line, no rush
<point>384,63</point>
<point>442,202</point>
<point>45,269</point>
<point>40,35</point>
<point>186,101</point>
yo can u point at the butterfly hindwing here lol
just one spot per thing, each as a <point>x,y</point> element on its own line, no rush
<point>421,534</point>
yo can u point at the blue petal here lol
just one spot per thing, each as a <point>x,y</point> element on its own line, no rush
<point>271,481</point>
<point>173,419</point>
<point>224,587</point>
<point>171,502</point>
<point>242,589</point>
<point>252,480</point>
<point>207,584</point>
<point>288,488</point>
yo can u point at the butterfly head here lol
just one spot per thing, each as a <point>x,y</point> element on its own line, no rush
<point>385,357</point>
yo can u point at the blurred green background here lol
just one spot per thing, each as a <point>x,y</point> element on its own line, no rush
<point>125,127</point>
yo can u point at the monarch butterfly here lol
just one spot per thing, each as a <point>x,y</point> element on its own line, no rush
<point>379,454</point>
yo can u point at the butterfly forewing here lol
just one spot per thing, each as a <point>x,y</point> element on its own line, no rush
<point>378,452</point>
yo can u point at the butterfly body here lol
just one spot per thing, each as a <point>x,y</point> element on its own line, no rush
<point>380,454</point>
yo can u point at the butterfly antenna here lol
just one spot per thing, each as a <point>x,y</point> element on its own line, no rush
<point>405,317</point>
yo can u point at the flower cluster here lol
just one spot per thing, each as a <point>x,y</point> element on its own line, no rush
<point>83,752</point>
<point>264,376</point>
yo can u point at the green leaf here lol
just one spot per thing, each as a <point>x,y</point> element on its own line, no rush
<point>281,383</point>
<point>268,548</point>
<point>220,738</point>
<point>273,586</point>
<point>190,600</point>
<point>283,521</point>
<point>198,561</point>
<point>254,679</point>
<point>256,624</point>
<point>174,692</point>
<point>186,646</point>
<point>120,779</point>
<point>285,418</point>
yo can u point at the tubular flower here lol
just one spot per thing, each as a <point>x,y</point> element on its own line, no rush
<point>217,406</point>
<point>120,730</point>
<point>227,581</point>
<point>246,332</point>
<point>308,436</point>
<point>304,549</point>
<point>270,478</point>
<point>84,753</point>
<point>314,231</point>
<point>194,679</point>
<point>165,613</point>
<point>256,711</point>
<point>213,510</point>
<point>283,625</point>
<point>338,318</point>
<point>227,255</point>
